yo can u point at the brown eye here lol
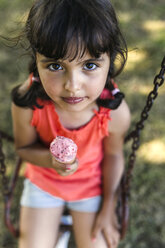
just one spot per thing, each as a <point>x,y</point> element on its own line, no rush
<point>55,67</point>
<point>90,66</point>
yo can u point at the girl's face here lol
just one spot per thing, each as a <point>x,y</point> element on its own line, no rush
<point>73,85</point>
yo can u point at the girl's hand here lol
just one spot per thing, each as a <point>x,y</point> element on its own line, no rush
<point>107,224</point>
<point>64,169</point>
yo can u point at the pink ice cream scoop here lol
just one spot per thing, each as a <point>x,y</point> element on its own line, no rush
<point>63,149</point>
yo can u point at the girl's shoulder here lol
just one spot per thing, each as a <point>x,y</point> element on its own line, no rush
<point>24,133</point>
<point>20,113</point>
<point>120,119</point>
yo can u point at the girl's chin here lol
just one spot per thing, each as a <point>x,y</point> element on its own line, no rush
<point>74,107</point>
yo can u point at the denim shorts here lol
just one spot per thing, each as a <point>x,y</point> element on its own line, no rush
<point>33,196</point>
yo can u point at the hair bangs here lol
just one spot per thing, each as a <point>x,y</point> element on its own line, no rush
<point>69,28</point>
<point>66,36</point>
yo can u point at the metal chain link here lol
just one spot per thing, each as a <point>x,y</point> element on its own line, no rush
<point>135,134</point>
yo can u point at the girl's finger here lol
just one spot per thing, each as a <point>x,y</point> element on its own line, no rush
<point>95,232</point>
<point>72,166</point>
<point>108,239</point>
<point>112,242</point>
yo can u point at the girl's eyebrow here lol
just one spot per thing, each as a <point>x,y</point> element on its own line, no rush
<point>92,60</point>
<point>47,60</point>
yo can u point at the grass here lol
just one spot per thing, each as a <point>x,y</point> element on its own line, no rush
<point>143,24</point>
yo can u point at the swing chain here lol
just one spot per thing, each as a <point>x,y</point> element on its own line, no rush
<point>135,134</point>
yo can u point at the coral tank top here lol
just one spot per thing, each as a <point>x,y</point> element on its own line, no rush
<point>87,180</point>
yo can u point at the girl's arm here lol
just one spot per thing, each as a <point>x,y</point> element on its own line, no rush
<point>113,166</point>
<point>113,163</point>
<point>26,139</point>
<point>25,135</point>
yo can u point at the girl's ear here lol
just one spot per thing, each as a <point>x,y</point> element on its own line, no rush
<point>36,79</point>
<point>33,80</point>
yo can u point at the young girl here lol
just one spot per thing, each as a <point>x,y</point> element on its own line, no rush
<point>74,46</point>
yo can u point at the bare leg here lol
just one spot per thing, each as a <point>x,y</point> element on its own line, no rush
<point>39,227</point>
<point>82,225</point>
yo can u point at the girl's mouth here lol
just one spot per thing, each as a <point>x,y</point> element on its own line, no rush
<point>73,100</point>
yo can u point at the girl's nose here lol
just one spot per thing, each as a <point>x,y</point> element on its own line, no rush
<point>73,82</point>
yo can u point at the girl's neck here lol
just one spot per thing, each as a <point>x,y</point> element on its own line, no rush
<point>75,120</point>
